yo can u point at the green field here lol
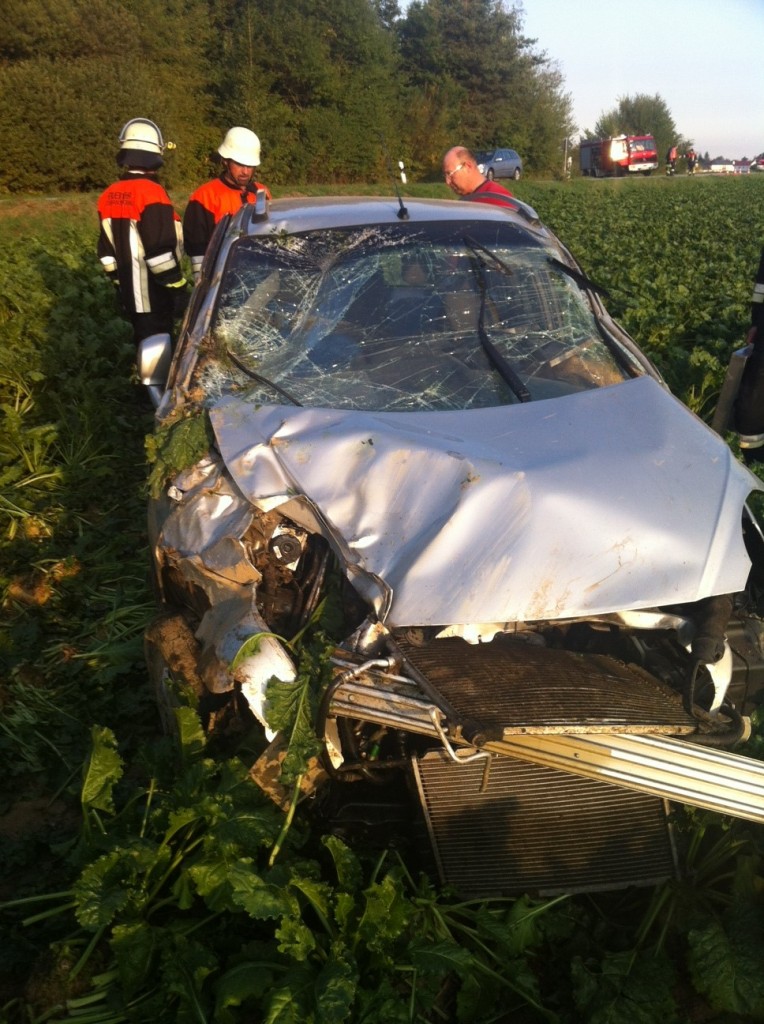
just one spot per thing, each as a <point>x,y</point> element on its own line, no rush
<point>140,881</point>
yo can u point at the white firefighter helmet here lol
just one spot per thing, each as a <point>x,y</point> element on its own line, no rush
<point>241,145</point>
<point>141,134</point>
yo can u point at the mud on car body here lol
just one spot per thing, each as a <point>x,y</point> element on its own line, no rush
<point>542,559</point>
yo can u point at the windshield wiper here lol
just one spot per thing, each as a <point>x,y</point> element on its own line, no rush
<point>253,375</point>
<point>476,247</point>
<point>508,375</point>
<point>581,279</point>
<point>497,360</point>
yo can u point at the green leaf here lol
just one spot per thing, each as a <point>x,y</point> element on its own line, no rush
<point>625,988</point>
<point>727,968</point>
<point>319,895</point>
<point>346,910</point>
<point>295,939</point>
<point>183,891</point>
<point>441,957</point>
<point>346,864</point>
<point>476,997</point>
<point>386,915</point>
<point>288,702</point>
<point>101,891</point>
<point>177,446</point>
<point>135,948</point>
<point>118,882</point>
<point>335,990</point>
<point>259,898</point>
<point>186,965</point>
<point>525,923</point>
<point>383,1003</point>
<point>292,1003</point>
<point>103,771</point>
<point>210,881</point>
<point>190,733</point>
<point>291,709</point>
<point>247,981</point>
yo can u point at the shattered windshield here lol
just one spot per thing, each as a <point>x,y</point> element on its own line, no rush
<point>417,317</point>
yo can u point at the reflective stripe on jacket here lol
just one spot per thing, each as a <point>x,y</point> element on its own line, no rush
<point>141,241</point>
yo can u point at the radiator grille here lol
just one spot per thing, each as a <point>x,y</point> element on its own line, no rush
<point>537,830</point>
<point>518,687</point>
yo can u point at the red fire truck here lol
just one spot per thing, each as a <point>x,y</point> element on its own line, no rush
<point>623,154</point>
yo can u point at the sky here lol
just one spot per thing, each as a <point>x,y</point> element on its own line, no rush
<point>704,58</point>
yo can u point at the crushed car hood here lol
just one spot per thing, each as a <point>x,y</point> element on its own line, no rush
<point>606,500</point>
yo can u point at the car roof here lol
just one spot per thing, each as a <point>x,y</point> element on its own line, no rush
<point>310,213</point>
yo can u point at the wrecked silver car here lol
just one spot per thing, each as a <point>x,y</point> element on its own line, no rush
<point>543,573</point>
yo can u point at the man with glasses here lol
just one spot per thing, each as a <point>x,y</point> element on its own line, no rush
<point>464,177</point>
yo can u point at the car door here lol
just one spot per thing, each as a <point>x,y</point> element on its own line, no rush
<point>513,164</point>
<point>499,164</point>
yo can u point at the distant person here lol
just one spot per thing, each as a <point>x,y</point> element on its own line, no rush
<point>692,159</point>
<point>140,248</point>
<point>671,160</point>
<point>240,153</point>
<point>749,406</point>
<point>464,177</point>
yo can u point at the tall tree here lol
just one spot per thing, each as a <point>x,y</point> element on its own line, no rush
<point>76,70</point>
<point>542,120</point>
<point>494,87</point>
<point>316,79</point>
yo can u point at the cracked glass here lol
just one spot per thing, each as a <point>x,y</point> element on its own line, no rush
<point>405,318</point>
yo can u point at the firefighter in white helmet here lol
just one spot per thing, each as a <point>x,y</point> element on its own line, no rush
<point>240,155</point>
<point>140,248</point>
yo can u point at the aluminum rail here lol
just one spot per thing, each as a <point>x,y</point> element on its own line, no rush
<point>398,710</point>
<point>665,767</point>
<point>674,769</point>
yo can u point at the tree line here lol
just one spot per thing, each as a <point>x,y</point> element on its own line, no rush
<point>337,90</point>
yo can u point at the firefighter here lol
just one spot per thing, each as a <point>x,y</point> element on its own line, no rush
<point>240,153</point>
<point>749,405</point>
<point>671,160</point>
<point>140,248</point>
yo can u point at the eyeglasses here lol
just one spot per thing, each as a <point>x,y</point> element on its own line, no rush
<point>448,175</point>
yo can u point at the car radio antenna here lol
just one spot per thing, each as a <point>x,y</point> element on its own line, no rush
<point>403,213</point>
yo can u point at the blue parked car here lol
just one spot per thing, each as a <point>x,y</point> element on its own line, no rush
<point>501,163</point>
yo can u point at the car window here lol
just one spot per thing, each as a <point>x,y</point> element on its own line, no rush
<point>445,317</point>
